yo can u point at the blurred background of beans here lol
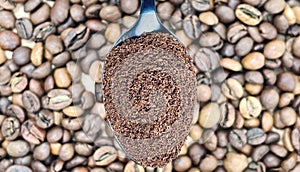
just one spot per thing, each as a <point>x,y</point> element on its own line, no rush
<point>247,55</point>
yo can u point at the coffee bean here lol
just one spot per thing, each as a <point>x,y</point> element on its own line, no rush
<point>274,6</point>
<point>237,138</point>
<point>42,31</point>
<point>24,28</point>
<point>210,39</point>
<point>269,98</point>
<point>96,71</point>
<point>248,14</point>
<point>41,15</point>
<point>256,136</point>
<point>42,151</point>
<point>191,25</point>
<point>288,116</point>
<point>26,160</point>
<point>259,152</point>
<point>250,107</point>
<point>267,31</point>
<point>113,31</point>
<point>104,155</point>
<point>14,168</point>
<point>274,49</point>
<point>270,160</point>
<point>287,143</point>
<point>202,5</point>
<point>87,100</point>
<point>17,148</point>
<point>62,78</point>
<point>209,115</point>
<point>31,5</point>
<point>57,99</point>
<point>66,152</point>
<point>54,44</point>
<point>253,61</point>
<point>232,89</point>
<point>15,111</point>
<point>272,137</point>
<point>235,162</point>
<point>18,82</point>
<point>10,128</point>
<point>244,46</point>
<point>228,115</point>
<point>74,70</point>
<point>75,38</point>
<point>110,13</point>
<point>59,11</point>
<point>235,32</point>
<point>130,166</point>
<point>278,150</point>
<point>31,133</point>
<point>208,18</point>
<point>164,10</point>
<point>182,163</point>
<point>7,20</point>
<point>37,165</point>
<point>286,81</point>
<point>72,124</point>
<point>267,121</point>
<point>14,40</point>
<point>209,163</point>
<point>223,9</point>
<point>206,59</point>
<point>31,101</point>
<point>231,64</point>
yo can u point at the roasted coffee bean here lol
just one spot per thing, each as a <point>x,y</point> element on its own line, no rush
<point>57,99</point>
<point>210,39</point>
<point>76,161</point>
<point>15,168</point>
<point>37,165</point>
<point>66,152</point>
<point>15,111</point>
<point>104,155</point>
<point>42,71</point>
<point>237,138</point>
<point>42,31</point>
<point>110,13</point>
<point>232,89</point>
<point>41,15</point>
<point>269,98</point>
<point>250,107</point>
<point>31,5</point>
<point>26,160</point>
<point>259,152</point>
<point>278,150</point>
<point>223,9</point>
<point>77,13</point>
<point>209,115</point>
<point>286,81</point>
<point>74,38</point>
<point>209,163</point>
<point>10,128</point>
<point>31,101</point>
<point>235,32</point>
<point>72,124</point>
<point>256,136</point>
<point>235,162</point>
<point>44,118</point>
<point>14,40</point>
<point>182,163</point>
<point>164,10</point>
<point>267,31</point>
<point>202,5</point>
<point>248,14</point>
<point>206,59</point>
<point>60,11</point>
<point>31,133</point>
<point>7,20</point>
<point>270,160</point>
<point>253,61</point>
<point>18,82</point>
<point>21,55</point>
<point>24,28</point>
<point>228,115</point>
<point>17,148</point>
<point>191,26</point>
<point>274,6</point>
<point>42,151</point>
<point>83,149</point>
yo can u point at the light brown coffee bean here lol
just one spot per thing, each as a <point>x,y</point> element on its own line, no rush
<point>274,49</point>
<point>232,89</point>
<point>278,150</point>
<point>54,44</point>
<point>209,163</point>
<point>267,30</point>
<point>164,10</point>
<point>231,64</point>
<point>208,18</point>
<point>223,9</point>
<point>286,81</point>
<point>62,78</point>
<point>253,61</point>
<point>31,133</point>
<point>203,93</point>
<point>287,142</point>
<point>288,116</point>
<point>112,33</point>
<point>17,148</point>
<point>269,98</point>
<point>267,121</point>
<point>248,14</point>
<point>235,32</point>
<point>250,107</point>
<point>290,162</point>
<point>202,5</point>
<point>209,115</point>
<point>15,168</point>
<point>110,13</point>
<point>235,162</point>
<point>66,152</point>
<point>296,46</point>
<point>182,163</point>
<point>18,82</point>
<point>105,155</point>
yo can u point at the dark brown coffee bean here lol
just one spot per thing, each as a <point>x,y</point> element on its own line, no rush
<point>14,40</point>
<point>259,152</point>
<point>256,136</point>
<point>15,111</point>
<point>10,128</point>
<point>7,20</point>
<point>244,46</point>
<point>42,71</point>
<point>42,151</point>
<point>221,10</point>
<point>42,31</point>
<point>196,152</point>
<point>54,134</point>
<point>269,98</point>
<point>31,5</point>
<point>36,87</point>
<point>31,101</point>
<point>237,138</point>
<point>31,133</point>
<point>191,26</point>
<point>15,168</point>
<point>74,38</point>
<point>270,160</point>
<point>93,11</point>
<point>41,15</point>
<point>286,81</point>
<point>59,11</point>
<point>235,32</point>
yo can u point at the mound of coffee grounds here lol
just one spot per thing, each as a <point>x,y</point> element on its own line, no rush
<point>149,93</point>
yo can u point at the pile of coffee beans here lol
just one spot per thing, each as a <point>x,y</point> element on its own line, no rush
<point>247,55</point>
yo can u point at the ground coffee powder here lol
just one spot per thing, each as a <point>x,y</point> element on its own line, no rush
<point>149,94</point>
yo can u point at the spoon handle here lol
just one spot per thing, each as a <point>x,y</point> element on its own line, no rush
<point>147,6</point>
